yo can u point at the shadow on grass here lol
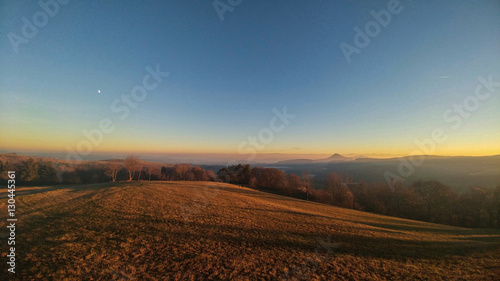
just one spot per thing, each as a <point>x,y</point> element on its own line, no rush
<point>72,187</point>
<point>351,243</point>
<point>439,229</point>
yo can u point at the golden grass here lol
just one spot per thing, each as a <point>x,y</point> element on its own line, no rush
<point>139,231</point>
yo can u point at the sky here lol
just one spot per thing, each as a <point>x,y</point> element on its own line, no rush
<point>411,88</point>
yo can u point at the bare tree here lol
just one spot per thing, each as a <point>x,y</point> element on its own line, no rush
<point>338,191</point>
<point>181,171</point>
<point>211,175</point>
<point>140,172</point>
<point>29,170</point>
<point>333,185</point>
<point>435,196</point>
<point>132,164</point>
<point>3,170</point>
<point>163,172</point>
<point>307,182</point>
<point>150,171</point>
<point>112,169</point>
<point>294,185</point>
<point>199,174</point>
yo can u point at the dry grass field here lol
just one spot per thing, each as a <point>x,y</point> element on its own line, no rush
<point>214,231</point>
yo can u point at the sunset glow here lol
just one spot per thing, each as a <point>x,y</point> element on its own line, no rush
<point>215,93</point>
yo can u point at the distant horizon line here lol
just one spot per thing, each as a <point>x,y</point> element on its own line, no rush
<point>310,156</point>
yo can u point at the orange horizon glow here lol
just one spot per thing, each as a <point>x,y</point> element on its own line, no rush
<point>24,146</point>
<point>57,141</point>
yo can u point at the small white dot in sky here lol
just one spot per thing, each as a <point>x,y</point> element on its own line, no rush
<point>98,91</point>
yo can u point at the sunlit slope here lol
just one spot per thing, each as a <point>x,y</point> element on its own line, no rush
<point>184,230</point>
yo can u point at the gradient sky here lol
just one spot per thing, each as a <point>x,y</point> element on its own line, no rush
<point>226,77</point>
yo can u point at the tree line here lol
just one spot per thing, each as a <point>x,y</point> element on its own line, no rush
<point>39,172</point>
<point>429,201</point>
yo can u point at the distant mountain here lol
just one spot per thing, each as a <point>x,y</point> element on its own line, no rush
<point>332,159</point>
<point>337,158</point>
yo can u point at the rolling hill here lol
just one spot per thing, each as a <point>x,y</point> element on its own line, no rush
<point>215,231</point>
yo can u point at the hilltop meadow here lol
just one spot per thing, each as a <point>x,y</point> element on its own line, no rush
<point>180,230</point>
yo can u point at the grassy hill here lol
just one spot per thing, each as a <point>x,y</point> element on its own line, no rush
<point>205,230</point>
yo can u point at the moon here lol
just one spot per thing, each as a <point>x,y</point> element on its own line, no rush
<point>98,91</point>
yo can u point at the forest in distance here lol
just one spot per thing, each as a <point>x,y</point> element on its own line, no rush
<point>424,200</point>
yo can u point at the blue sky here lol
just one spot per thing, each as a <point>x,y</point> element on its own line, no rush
<point>226,77</point>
